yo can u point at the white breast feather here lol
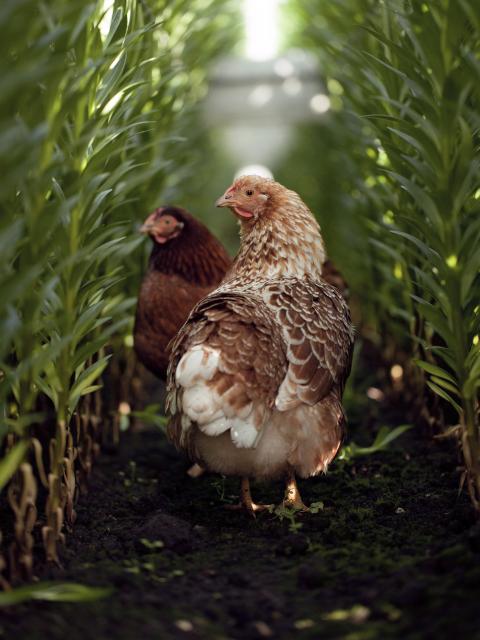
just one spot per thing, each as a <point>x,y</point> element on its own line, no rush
<point>244,433</point>
<point>200,362</point>
<point>201,403</point>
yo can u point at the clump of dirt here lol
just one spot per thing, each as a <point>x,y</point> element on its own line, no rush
<point>391,552</point>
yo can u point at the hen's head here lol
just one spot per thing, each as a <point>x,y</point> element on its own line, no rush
<point>164,224</point>
<point>279,234</point>
<point>251,198</point>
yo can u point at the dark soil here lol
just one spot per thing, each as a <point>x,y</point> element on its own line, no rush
<point>394,553</point>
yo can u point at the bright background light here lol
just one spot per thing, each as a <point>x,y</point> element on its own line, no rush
<point>320,103</point>
<point>261,29</point>
<point>261,95</point>
<point>254,170</point>
<point>283,68</point>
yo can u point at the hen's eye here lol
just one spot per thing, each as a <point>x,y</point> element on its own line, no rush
<point>249,192</point>
<point>167,221</point>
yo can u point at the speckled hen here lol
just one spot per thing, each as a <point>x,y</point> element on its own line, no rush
<point>257,372</point>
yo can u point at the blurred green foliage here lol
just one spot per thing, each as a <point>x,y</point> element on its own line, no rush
<point>53,592</point>
<point>406,75</point>
<point>96,103</point>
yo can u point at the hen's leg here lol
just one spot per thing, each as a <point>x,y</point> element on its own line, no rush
<point>246,501</point>
<point>292,498</point>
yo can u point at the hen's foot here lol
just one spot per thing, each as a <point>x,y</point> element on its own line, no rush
<point>292,498</point>
<point>296,505</point>
<point>251,508</point>
<point>195,471</point>
<point>246,503</point>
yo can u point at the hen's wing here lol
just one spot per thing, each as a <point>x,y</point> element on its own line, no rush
<point>227,364</point>
<point>240,354</point>
<point>318,335</point>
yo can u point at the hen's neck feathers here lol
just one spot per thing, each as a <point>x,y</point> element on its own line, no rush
<point>285,241</point>
<point>195,255</point>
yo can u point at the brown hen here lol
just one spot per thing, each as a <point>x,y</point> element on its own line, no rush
<point>257,372</point>
<point>186,263</point>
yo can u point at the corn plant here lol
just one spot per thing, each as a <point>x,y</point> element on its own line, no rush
<point>411,69</point>
<point>94,113</point>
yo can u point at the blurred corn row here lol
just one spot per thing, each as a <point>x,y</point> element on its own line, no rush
<point>406,77</point>
<point>95,103</point>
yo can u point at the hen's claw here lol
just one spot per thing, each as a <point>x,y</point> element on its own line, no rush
<point>251,509</point>
<point>246,503</point>
<point>195,471</point>
<point>296,505</point>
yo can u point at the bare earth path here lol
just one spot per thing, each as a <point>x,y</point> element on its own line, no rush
<point>393,554</point>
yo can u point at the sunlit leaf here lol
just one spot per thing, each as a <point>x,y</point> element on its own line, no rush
<point>11,461</point>
<point>54,592</point>
<point>383,438</point>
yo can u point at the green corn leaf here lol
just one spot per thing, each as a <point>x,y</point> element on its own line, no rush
<point>471,235</point>
<point>91,347</point>
<point>90,389</point>
<point>472,11</point>
<point>85,379</point>
<point>50,386</point>
<point>473,359</point>
<point>471,387</point>
<point>54,592</point>
<point>98,201</point>
<point>82,23</point>
<point>430,285</point>
<point>443,394</point>
<point>151,415</point>
<point>420,125</point>
<point>9,238</point>
<point>114,24</point>
<point>422,199</point>
<point>471,271</point>
<point>443,353</point>
<point>396,255</point>
<point>86,322</point>
<point>423,170</point>
<point>420,143</point>
<point>111,80</point>
<point>435,317</point>
<point>441,382</point>
<point>383,438</point>
<point>43,355</point>
<point>418,87</point>
<point>435,370</point>
<point>11,462</point>
<point>427,251</point>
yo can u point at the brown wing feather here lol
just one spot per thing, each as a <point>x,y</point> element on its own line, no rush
<point>290,343</point>
<point>319,336</point>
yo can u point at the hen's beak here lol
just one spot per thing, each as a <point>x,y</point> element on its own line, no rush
<point>146,227</point>
<point>225,201</point>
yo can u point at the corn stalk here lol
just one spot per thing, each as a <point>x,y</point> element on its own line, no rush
<point>412,71</point>
<point>95,105</point>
